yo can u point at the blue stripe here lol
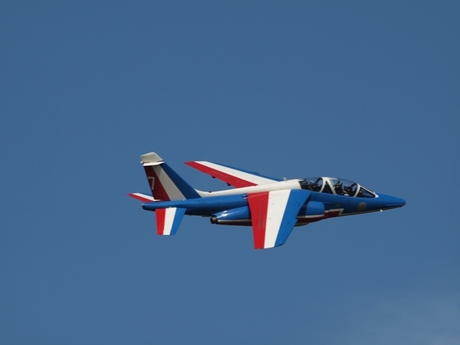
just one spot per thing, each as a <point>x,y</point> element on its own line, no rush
<point>188,191</point>
<point>296,200</point>
<point>177,220</point>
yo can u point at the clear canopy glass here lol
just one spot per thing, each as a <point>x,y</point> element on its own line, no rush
<point>338,186</point>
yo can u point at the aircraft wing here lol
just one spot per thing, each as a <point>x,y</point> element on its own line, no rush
<point>168,220</point>
<point>274,215</point>
<point>234,177</point>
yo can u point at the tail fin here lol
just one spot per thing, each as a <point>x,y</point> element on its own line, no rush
<point>164,182</point>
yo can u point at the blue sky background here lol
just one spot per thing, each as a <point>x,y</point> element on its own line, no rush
<point>367,91</point>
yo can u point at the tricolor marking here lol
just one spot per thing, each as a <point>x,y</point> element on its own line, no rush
<point>274,215</point>
<point>161,184</point>
<point>168,220</point>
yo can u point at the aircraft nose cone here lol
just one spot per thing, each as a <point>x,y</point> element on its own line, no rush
<point>392,202</point>
<point>398,202</point>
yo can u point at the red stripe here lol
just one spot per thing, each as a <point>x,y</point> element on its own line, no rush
<point>230,179</point>
<point>258,204</point>
<point>160,215</point>
<point>330,214</point>
<point>155,185</point>
<point>303,221</point>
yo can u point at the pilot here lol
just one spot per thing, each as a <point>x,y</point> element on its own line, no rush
<point>312,186</point>
<point>316,186</point>
<point>339,189</point>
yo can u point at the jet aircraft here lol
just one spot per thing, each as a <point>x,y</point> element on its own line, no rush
<point>273,207</point>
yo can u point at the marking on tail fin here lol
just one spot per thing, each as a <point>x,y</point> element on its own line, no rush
<point>152,183</point>
<point>156,185</point>
<point>164,182</point>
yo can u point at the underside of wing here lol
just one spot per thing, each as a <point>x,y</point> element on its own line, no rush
<point>168,220</point>
<point>232,176</point>
<point>274,215</point>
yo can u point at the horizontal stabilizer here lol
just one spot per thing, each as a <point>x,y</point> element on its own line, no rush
<point>168,220</point>
<point>141,197</point>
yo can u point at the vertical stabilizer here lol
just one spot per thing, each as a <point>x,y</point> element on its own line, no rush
<point>164,182</point>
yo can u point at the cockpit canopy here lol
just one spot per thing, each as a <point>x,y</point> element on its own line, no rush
<point>338,186</point>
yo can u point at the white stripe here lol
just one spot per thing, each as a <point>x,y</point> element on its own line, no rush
<point>169,220</point>
<point>169,186</point>
<point>277,202</point>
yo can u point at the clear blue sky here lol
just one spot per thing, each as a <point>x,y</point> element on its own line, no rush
<point>365,90</point>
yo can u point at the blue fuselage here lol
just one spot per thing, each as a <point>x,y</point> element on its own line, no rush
<point>234,209</point>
